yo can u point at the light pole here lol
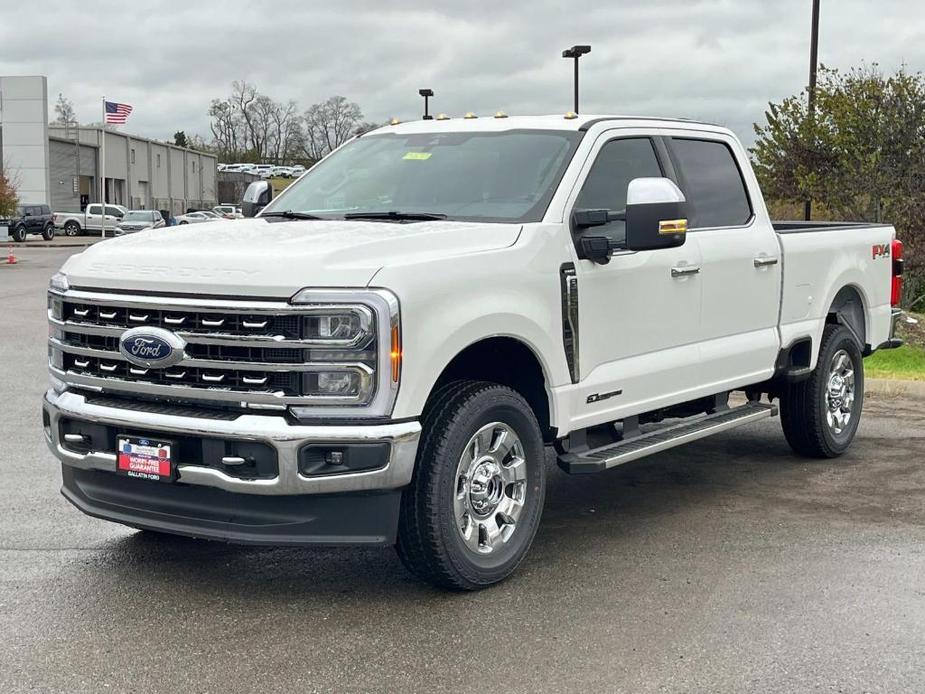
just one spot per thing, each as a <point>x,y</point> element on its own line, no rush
<point>426,93</point>
<point>811,95</point>
<point>576,52</point>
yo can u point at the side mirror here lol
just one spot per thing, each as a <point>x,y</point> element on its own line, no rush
<point>656,214</point>
<point>256,197</point>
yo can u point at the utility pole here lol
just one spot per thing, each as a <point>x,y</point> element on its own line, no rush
<point>575,52</point>
<point>426,93</point>
<point>811,95</point>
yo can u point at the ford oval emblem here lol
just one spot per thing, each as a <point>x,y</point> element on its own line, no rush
<point>152,347</point>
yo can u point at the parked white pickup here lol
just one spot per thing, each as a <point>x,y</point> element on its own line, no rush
<point>383,354</point>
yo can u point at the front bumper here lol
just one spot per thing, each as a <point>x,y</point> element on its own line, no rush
<point>274,430</point>
<point>289,508</point>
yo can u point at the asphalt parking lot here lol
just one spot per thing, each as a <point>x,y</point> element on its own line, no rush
<point>726,566</point>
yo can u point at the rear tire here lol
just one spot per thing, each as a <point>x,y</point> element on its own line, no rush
<point>18,233</point>
<point>820,415</point>
<point>48,233</point>
<point>72,229</point>
<point>474,504</point>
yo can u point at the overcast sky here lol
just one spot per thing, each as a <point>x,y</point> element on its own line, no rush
<point>719,60</point>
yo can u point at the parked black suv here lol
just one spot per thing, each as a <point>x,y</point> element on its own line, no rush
<point>30,219</point>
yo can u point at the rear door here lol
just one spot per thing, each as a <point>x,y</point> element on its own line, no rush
<point>741,269</point>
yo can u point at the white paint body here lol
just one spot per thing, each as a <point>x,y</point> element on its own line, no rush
<point>659,339</point>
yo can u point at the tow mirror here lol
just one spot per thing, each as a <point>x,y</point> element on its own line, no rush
<point>596,248</point>
<point>656,214</point>
<point>256,197</point>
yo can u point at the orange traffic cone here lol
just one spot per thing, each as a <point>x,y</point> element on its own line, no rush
<point>10,258</point>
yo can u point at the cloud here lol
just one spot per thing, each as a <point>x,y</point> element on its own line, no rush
<point>719,60</point>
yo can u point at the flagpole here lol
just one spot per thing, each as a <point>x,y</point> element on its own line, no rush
<point>103,171</point>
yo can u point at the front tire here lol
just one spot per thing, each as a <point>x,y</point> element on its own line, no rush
<point>72,229</point>
<point>474,504</point>
<point>820,415</point>
<point>48,233</point>
<point>18,234</point>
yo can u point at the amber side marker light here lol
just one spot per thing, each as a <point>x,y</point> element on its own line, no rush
<point>396,354</point>
<point>672,226</point>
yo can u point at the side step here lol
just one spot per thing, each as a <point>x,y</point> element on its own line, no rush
<point>611,455</point>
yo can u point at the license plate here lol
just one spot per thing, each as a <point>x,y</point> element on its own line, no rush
<point>146,459</point>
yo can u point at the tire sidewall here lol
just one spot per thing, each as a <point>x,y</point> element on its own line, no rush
<point>841,339</point>
<point>71,229</point>
<point>500,407</point>
<point>48,233</point>
<point>18,233</point>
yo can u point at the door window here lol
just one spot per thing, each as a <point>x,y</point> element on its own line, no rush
<point>712,183</point>
<point>617,163</point>
<point>93,209</point>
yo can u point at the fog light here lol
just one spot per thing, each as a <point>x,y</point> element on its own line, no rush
<point>334,458</point>
<point>342,383</point>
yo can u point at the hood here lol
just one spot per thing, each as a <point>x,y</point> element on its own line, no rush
<point>254,257</point>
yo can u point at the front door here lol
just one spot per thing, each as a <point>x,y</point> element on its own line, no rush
<point>639,315</point>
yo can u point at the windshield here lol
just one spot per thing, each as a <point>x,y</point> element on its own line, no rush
<point>502,177</point>
<point>137,217</point>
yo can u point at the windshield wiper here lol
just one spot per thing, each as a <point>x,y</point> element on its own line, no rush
<point>289,214</point>
<point>396,215</point>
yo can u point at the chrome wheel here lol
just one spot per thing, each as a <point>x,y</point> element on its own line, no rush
<point>491,487</point>
<point>839,392</point>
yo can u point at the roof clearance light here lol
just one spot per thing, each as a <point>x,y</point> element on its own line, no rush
<point>571,115</point>
<point>500,114</point>
<point>442,116</point>
<point>394,121</point>
<point>470,115</point>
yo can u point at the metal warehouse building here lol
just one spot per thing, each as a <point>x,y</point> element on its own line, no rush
<point>60,166</point>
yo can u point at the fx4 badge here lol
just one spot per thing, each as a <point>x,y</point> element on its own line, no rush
<point>880,250</point>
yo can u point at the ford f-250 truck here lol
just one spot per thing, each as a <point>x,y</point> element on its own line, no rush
<point>385,353</point>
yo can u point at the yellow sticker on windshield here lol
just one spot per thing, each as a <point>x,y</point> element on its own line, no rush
<point>418,156</point>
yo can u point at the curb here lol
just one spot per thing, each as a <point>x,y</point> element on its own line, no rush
<point>895,388</point>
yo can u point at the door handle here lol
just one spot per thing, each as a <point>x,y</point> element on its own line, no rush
<point>685,270</point>
<point>765,261</point>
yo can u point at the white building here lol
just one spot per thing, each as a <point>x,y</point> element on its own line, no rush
<point>60,166</point>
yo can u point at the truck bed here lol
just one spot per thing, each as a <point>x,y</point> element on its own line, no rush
<point>817,264</point>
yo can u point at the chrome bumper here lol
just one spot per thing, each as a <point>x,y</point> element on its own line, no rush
<point>273,430</point>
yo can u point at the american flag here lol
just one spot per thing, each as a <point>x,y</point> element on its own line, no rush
<point>117,113</point>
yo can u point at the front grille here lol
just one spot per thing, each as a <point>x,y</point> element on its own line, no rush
<point>246,353</point>
<point>287,327</point>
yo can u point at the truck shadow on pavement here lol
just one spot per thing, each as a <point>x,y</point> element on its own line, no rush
<point>706,489</point>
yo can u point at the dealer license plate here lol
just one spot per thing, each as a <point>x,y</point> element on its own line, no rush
<point>146,459</point>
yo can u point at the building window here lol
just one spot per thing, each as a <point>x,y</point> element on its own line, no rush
<point>133,155</point>
<point>158,161</point>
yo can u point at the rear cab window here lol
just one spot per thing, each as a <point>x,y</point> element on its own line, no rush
<point>712,182</point>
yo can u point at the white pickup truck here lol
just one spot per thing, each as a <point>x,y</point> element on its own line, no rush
<point>387,352</point>
<point>91,219</point>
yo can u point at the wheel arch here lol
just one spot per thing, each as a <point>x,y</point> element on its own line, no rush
<point>849,308</point>
<point>508,361</point>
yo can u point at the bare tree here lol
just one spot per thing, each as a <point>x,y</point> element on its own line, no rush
<point>328,125</point>
<point>243,96</point>
<point>64,110</point>
<point>250,125</point>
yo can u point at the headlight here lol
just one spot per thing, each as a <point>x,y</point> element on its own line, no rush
<point>58,282</point>
<point>348,337</point>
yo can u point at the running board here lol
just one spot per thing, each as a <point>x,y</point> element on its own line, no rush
<point>611,455</point>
